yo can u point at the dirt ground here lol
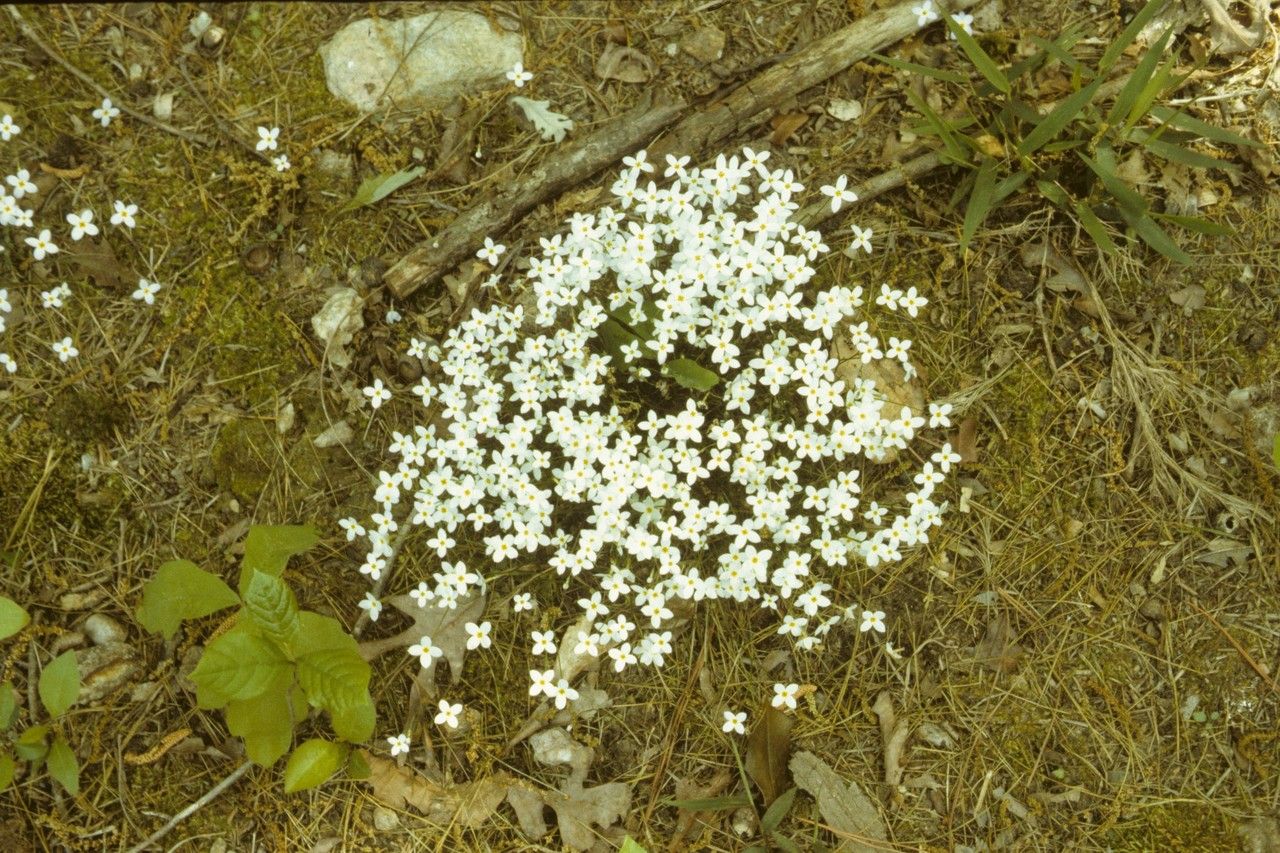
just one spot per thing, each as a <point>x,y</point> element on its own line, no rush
<point>1087,653</point>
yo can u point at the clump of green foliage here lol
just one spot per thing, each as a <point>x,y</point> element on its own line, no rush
<point>58,688</point>
<point>1070,155</point>
<point>274,662</point>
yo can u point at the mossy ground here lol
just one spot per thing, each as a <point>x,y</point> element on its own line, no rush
<point>162,437</point>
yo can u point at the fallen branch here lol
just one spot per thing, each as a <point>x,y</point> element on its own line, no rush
<point>209,797</point>
<point>742,109</point>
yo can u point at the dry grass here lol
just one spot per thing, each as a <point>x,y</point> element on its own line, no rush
<point>1052,635</point>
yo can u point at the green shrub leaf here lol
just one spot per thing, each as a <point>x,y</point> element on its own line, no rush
<point>265,722</point>
<point>354,721</point>
<point>268,547</point>
<point>357,767</point>
<point>181,590</point>
<point>375,189</point>
<point>690,374</point>
<point>320,633</point>
<point>59,684</point>
<point>63,766</point>
<point>630,845</point>
<point>273,608</point>
<point>12,618</point>
<point>8,705</point>
<point>312,763</point>
<point>7,768</point>
<point>33,744</point>
<point>238,665</point>
<point>333,678</point>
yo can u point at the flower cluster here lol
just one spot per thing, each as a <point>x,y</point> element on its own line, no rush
<point>552,435</point>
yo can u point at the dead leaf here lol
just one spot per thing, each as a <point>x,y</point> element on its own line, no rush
<point>469,804</point>
<point>528,806</point>
<point>619,62</point>
<point>445,626</point>
<point>1133,169</point>
<point>687,820</point>
<point>336,323</point>
<point>457,142</point>
<point>1191,298</point>
<point>99,261</point>
<point>577,807</point>
<point>705,44</point>
<point>967,441</point>
<point>69,174</point>
<point>1224,552</point>
<point>576,200</point>
<point>569,663</point>
<point>768,748</point>
<point>845,809</point>
<point>894,733</point>
<point>842,109</point>
<point>997,651</point>
<point>891,383</point>
<point>785,125</point>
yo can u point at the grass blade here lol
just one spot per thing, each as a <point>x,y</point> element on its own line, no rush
<point>1138,80</point>
<point>979,57</point>
<point>1182,121</point>
<point>1094,227</point>
<point>1157,238</point>
<point>1008,186</point>
<point>935,73</point>
<point>1186,156</point>
<point>955,150</point>
<point>980,202</point>
<point>1058,118</point>
<point>1059,52</point>
<point>1112,54</point>
<point>1196,223</point>
<point>1104,167</point>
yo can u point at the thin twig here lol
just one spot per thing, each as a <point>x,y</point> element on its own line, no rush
<point>193,808</point>
<point>34,37</point>
<point>1248,658</point>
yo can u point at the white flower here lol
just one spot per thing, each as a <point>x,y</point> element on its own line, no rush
<point>82,224</point>
<point>377,393</point>
<point>399,744</point>
<point>426,651</point>
<point>124,214</point>
<point>861,240</point>
<point>147,291</point>
<point>7,362</point>
<point>54,297</point>
<point>784,695</point>
<point>938,415</point>
<point>839,195</point>
<point>544,642</point>
<point>563,694</point>
<point>42,244</point>
<point>735,722</point>
<point>449,714</point>
<point>371,605</point>
<point>522,601</point>
<point>281,162</point>
<point>925,13</point>
<point>542,682</point>
<point>964,21</point>
<point>65,349</point>
<point>478,635</point>
<point>267,138</point>
<point>392,317</point>
<point>519,76</point>
<point>8,130</point>
<point>21,183</point>
<point>872,621</point>
<point>106,112</point>
<point>491,251</point>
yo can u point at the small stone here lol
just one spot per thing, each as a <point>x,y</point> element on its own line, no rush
<point>102,629</point>
<point>844,109</point>
<point>104,669</point>
<point>286,418</point>
<point>162,106</point>
<point>1152,608</point>
<point>705,44</point>
<point>339,433</point>
<point>384,819</point>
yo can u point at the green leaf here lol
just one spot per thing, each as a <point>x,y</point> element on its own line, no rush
<point>12,618</point>
<point>354,721</point>
<point>630,845</point>
<point>7,768</point>
<point>8,705</point>
<point>775,813</point>
<point>1114,50</point>
<point>981,60</point>
<point>312,763</point>
<point>1186,156</point>
<point>1138,80</point>
<point>33,744</point>
<point>1157,238</point>
<point>1058,118</point>
<point>786,845</point>
<point>181,590</point>
<point>265,722</point>
<point>935,73</point>
<point>238,665</point>
<point>713,804</point>
<point>614,336</point>
<point>1104,167</point>
<point>943,130</point>
<point>690,374</point>
<point>268,547</point>
<point>1148,95</point>
<point>334,678</point>
<point>1196,223</point>
<point>1182,121</point>
<point>1060,48</point>
<point>1094,226</point>
<point>357,767</point>
<point>1008,186</point>
<point>980,201</point>
<point>59,684</point>
<point>1053,192</point>
<point>321,633</point>
<point>375,189</point>
<point>63,766</point>
<point>272,608</point>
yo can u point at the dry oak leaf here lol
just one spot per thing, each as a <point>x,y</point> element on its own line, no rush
<point>445,626</point>
<point>845,809</point>
<point>618,62</point>
<point>469,804</point>
<point>892,384</point>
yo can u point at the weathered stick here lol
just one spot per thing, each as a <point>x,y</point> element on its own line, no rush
<point>745,107</point>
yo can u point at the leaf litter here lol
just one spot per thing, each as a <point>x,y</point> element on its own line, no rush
<point>844,807</point>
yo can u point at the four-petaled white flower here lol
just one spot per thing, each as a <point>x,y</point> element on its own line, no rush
<point>21,183</point>
<point>563,694</point>
<point>106,112</point>
<point>147,291</point>
<point>519,76</point>
<point>872,621</point>
<point>735,721</point>
<point>964,21</point>
<point>281,163</point>
<point>478,635</point>
<point>377,393</point>
<point>42,244</point>
<point>426,651</point>
<point>267,137</point>
<point>82,224</point>
<point>449,714</point>
<point>491,251</point>
<point>399,744</point>
<point>861,240</point>
<point>7,362</point>
<point>544,642</point>
<point>784,695</point>
<point>54,297</point>
<point>371,605</point>
<point>542,682</point>
<point>838,194</point>
<point>522,601</point>
<point>925,13</point>
<point>65,349</point>
<point>124,214</point>
<point>8,130</point>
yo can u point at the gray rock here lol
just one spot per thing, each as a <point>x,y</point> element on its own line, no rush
<point>417,62</point>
